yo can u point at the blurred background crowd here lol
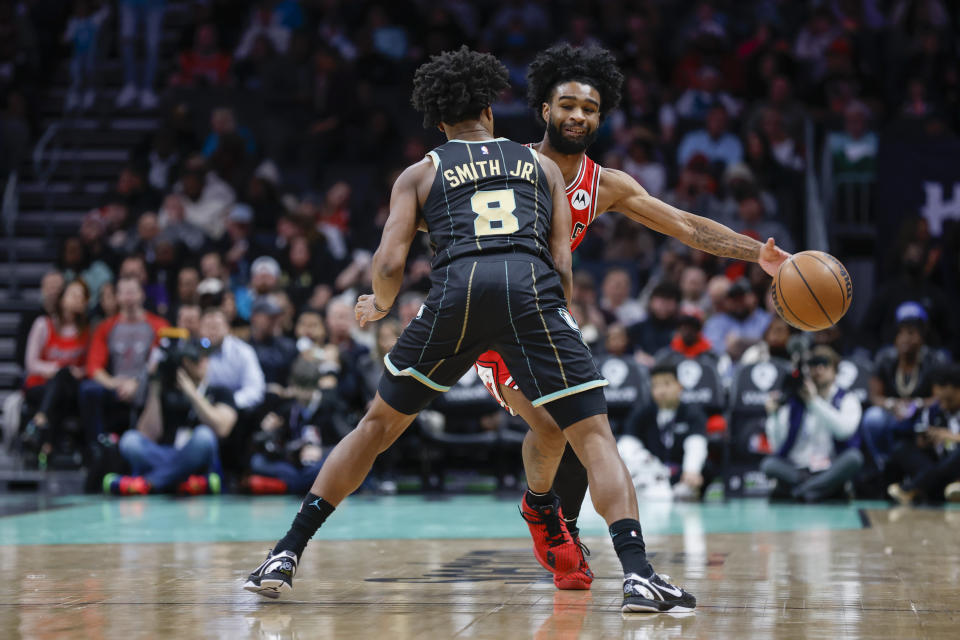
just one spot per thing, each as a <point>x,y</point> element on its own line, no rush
<point>224,167</point>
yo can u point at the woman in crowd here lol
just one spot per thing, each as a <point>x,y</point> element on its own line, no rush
<point>55,357</point>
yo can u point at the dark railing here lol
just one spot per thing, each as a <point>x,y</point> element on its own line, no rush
<point>11,209</point>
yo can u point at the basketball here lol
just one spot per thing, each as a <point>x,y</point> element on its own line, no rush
<point>812,290</point>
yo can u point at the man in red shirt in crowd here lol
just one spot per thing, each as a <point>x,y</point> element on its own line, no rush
<point>118,355</point>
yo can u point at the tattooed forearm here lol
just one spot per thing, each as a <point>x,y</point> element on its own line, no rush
<point>719,240</point>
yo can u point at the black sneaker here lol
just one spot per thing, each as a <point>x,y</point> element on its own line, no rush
<point>274,576</point>
<point>654,595</point>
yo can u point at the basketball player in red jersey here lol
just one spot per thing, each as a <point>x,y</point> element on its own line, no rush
<point>572,89</point>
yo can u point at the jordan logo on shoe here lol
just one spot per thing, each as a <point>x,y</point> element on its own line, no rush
<point>551,559</point>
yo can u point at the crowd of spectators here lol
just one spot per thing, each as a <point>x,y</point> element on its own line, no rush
<point>247,219</point>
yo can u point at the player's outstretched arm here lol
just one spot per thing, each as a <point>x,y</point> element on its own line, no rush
<point>398,234</point>
<point>696,231</point>
<point>560,224</point>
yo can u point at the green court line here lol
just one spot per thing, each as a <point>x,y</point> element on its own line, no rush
<point>160,519</point>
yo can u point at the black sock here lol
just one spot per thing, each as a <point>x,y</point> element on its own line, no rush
<point>628,543</point>
<point>541,499</point>
<point>572,527</point>
<point>313,511</point>
<point>570,484</point>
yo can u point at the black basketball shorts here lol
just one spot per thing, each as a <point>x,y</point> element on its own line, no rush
<point>511,303</point>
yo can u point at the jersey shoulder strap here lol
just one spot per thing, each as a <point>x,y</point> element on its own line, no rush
<point>585,186</point>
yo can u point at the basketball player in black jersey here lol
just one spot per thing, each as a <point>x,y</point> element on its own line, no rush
<point>500,225</point>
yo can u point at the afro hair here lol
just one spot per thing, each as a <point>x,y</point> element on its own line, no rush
<point>457,85</point>
<point>560,63</point>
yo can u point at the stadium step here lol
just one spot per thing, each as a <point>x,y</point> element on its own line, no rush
<point>27,249</point>
<point>9,322</point>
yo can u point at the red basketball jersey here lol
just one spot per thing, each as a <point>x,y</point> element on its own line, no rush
<point>582,196</point>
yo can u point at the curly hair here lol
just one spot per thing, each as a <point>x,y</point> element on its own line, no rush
<point>560,63</point>
<point>457,85</point>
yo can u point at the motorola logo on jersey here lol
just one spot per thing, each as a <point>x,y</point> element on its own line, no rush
<point>580,199</point>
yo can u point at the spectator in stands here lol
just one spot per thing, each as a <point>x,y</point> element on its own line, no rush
<point>134,266</point>
<point>188,317</point>
<point>117,360</point>
<point>270,22</point>
<point>674,432</point>
<point>688,341</point>
<point>813,40</point>
<point>752,222</point>
<point>371,364</point>
<point>236,241</point>
<point>738,182</point>
<point>900,383</point>
<point>106,306</point>
<point>173,222</point>
<point>233,363</point>
<point>655,332</point>
<point>206,199</point>
<point>773,344</point>
<point>56,353</point>
<point>617,302</point>
<point>929,462</point>
<point>693,287</point>
<point>51,286</point>
<point>694,189</point>
<point>643,166</point>
<point>148,16</point>
<point>739,325</point>
<point>161,160</point>
<point>813,434</point>
<point>134,192</point>
<point>785,148</point>
<point>294,438</point>
<point>74,263</point>
<point>188,279</point>
<point>310,333</point>
<point>175,443</point>
<point>223,123</point>
<point>341,323</point>
<point>205,64</point>
<point>696,102</point>
<point>83,31</point>
<point>275,352</point>
<point>715,141</point>
<point>299,271</point>
<point>780,99</point>
<point>264,281</point>
<point>880,323</point>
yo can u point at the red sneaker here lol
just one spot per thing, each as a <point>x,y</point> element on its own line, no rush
<point>552,544</point>
<point>580,578</point>
<point>265,485</point>
<point>133,486</point>
<point>194,486</point>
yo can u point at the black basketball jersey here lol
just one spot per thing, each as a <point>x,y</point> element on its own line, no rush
<point>489,196</point>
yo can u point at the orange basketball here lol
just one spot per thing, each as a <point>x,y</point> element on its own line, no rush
<point>812,290</point>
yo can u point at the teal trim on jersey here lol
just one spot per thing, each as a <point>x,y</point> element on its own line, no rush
<point>477,141</point>
<point>563,393</point>
<point>413,373</point>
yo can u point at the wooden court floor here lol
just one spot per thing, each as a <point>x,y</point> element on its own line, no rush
<point>897,577</point>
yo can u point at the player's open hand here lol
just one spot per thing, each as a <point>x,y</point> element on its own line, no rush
<point>771,257</point>
<point>366,310</point>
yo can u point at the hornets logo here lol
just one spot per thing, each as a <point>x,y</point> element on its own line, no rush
<point>570,321</point>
